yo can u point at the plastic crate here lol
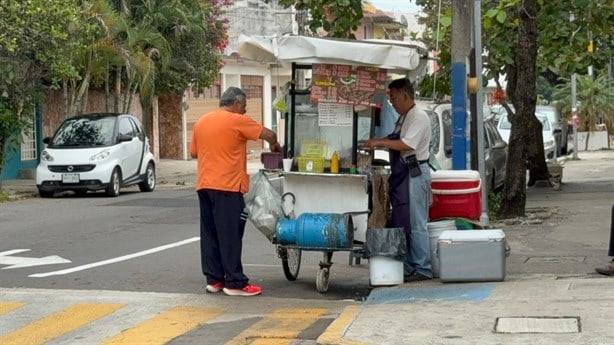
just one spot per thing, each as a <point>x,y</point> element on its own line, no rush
<point>313,148</point>
<point>311,164</point>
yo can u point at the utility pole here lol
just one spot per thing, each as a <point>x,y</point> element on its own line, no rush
<point>461,46</point>
<point>479,118</point>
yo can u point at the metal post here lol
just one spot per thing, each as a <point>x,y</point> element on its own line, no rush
<point>477,46</point>
<point>574,116</point>
<point>461,44</point>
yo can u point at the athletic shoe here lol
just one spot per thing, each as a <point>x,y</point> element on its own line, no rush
<point>607,270</point>
<point>247,290</point>
<point>216,287</point>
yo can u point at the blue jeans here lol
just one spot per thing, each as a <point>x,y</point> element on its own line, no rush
<point>418,257</point>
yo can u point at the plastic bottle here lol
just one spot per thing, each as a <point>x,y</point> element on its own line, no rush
<point>334,163</point>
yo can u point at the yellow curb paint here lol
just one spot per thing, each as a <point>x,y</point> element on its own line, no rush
<point>58,324</point>
<point>6,307</point>
<point>280,328</point>
<point>165,326</point>
<point>333,335</point>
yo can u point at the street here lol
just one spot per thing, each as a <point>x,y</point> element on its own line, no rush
<point>79,248</point>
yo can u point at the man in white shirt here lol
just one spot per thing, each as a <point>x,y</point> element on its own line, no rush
<point>410,178</point>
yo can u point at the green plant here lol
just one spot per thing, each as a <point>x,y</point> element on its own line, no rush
<point>494,205</point>
<point>3,196</point>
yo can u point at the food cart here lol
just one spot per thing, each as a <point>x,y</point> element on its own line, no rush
<point>337,88</point>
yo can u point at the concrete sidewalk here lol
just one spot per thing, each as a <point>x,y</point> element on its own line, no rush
<point>551,294</point>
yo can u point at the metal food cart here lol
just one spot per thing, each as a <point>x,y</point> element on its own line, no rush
<point>337,87</point>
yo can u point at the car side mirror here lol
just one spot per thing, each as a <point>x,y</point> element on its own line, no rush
<point>125,137</point>
<point>448,151</point>
<point>47,140</point>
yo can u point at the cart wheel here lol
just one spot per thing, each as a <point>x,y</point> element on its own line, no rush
<point>322,280</point>
<point>291,262</point>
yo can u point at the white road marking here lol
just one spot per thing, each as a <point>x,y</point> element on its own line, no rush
<point>114,260</point>
<point>22,261</point>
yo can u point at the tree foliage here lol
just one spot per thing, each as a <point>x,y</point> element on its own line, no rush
<point>595,99</point>
<point>562,43</point>
<point>35,38</point>
<point>339,18</point>
<point>144,47</point>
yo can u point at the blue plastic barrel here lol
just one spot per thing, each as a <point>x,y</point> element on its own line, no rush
<point>316,230</point>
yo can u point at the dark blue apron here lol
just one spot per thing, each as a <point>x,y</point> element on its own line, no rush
<point>398,183</point>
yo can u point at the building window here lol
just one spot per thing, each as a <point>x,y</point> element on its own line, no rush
<point>28,145</point>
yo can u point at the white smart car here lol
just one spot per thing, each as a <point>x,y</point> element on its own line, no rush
<point>96,152</point>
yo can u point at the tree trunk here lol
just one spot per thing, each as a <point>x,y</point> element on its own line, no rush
<point>524,97</point>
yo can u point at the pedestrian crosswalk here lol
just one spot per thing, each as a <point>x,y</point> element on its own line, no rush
<point>91,318</point>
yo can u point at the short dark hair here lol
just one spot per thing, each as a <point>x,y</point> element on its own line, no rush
<point>403,85</point>
<point>231,95</point>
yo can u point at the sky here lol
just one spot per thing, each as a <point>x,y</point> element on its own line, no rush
<point>395,5</point>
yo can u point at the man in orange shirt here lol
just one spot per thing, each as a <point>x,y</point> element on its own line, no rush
<point>219,142</point>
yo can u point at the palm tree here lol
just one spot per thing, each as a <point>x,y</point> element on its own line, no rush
<point>595,98</point>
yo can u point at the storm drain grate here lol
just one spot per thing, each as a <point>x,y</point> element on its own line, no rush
<point>538,324</point>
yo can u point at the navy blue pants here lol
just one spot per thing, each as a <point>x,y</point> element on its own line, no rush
<point>222,224</point>
<point>611,249</point>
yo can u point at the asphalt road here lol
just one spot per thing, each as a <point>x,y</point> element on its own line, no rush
<point>146,242</point>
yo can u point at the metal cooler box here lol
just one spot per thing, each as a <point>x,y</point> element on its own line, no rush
<point>472,255</point>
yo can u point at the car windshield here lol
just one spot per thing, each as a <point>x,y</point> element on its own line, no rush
<point>85,132</point>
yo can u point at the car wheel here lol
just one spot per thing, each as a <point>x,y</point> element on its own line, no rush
<point>149,183</point>
<point>45,194</point>
<point>114,183</point>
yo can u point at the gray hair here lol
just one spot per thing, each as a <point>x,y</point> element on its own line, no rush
<point>231,95</point>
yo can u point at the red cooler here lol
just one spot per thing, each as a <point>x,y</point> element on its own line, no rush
<point>456,194</point>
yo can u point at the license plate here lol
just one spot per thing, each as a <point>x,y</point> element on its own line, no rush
<point>70,178</point>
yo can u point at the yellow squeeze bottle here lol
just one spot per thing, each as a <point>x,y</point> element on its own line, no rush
<point>334,163</point>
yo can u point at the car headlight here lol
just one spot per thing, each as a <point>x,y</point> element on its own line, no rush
<point>100,155</point>
<point>549,143</point>
<point>45,156</point>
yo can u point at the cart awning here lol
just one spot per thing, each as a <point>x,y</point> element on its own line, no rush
<point>392,55</point>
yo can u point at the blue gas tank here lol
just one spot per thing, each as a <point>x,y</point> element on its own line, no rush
<point>317,230</point>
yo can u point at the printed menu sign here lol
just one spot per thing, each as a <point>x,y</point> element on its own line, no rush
<point>346,84</point>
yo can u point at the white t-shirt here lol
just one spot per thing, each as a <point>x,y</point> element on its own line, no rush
<point>416,133</point>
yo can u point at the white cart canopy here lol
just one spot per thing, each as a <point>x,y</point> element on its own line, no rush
<point>398,56</point>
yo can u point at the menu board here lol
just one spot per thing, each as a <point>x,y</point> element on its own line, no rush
<point>347,84</point>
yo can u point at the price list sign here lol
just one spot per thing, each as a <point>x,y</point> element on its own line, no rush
<point>345,84</point>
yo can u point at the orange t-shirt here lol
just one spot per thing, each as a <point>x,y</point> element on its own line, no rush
<point>219,140</point>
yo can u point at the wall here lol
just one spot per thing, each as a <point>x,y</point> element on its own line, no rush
<point>596,140</point>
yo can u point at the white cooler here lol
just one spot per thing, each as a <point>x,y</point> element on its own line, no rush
<point>472,255</point>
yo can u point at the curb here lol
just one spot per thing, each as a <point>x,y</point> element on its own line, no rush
<point>333,335</point>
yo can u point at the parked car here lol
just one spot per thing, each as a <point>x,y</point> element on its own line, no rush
<point>504,127</point>
<point>93,152</point>
<point>495,149</point>
<point>560,129</point>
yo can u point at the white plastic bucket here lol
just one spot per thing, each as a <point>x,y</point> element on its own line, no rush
<point>435,229</point>
<point>385,271</point>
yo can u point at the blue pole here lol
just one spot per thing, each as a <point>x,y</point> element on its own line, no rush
<point>459,116</point>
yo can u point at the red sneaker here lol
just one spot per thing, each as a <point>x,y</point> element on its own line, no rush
<point>216,287</point>
<point>247,290</point>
